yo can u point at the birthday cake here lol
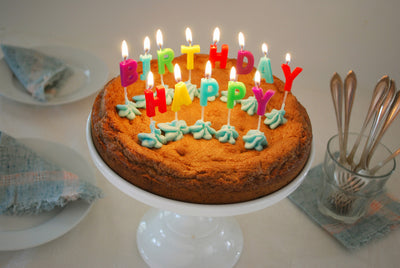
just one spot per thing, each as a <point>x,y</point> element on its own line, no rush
<point>202,164</point>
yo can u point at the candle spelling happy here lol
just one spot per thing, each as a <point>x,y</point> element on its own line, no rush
<point>264,66</point>
<point>190,50</point>
<point>165,57</point>
<point>262,99</point>
<point>151,101</point>
<point>215,56</point>
<point>209,87</point>
<point>242,54</point>
<point>181,95</point>
<point>145,59</point>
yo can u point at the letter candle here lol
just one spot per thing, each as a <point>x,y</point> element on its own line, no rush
<point>264,66</point>
<point>208,88</point>
<point>262,100</point>
<point>151,101</point>
<point>190,50</point>
<point>240,58</point>
<point>236,91</point>
<point>127,70</point>
<point>181,95</point>
<point>165,57</point>
<point>222,56</point>
<point>145,59</point>
<point>290,76</point>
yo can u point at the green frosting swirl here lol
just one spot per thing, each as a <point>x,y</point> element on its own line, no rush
<point>174,130</point>
<point>275,118</point>
<point>250,105</point>
<point>140,101</point>
<point>202,130</point>
<point>153,139</point>
<point>255,139</point>
<point>128,110</point>
<point>227,134</point>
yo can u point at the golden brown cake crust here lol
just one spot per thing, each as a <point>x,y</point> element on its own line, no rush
<point>202,171</point>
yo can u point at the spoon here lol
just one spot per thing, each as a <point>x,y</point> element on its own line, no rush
<point>392,114</point>
<point>384,162</point>
<point>350,85</point>
<point>337,98</point>
<point>376,101</point>
<point>375,128</point>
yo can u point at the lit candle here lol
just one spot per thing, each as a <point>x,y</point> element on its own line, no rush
<point>290,76</point>
<point>127,69</point>
<point>151,101</point>
<point>215,56</point>
<point>262,100</point>
<point>208,88</point>
<point>181,95</point>
<point>241,68</point>
<point>264,66</point>
<point>145,59</point>
<point>236,90</point>
<point>165,57</point>
<point>189,50</point>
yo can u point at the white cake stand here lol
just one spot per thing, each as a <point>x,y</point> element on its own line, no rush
<point>180,234</point>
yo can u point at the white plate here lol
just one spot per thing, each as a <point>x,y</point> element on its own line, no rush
<point>89,75</point>
<point>192,209</point>
<point>20,232</point>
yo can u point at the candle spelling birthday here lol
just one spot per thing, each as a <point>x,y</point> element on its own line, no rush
<point>145,59</point>
<point>242,54</point>
<point>127,70</point>
<point>290,76</point>
<point>190,51</point>
<point>215,56</point>
<point>164,56</point>
<point>264,66</point>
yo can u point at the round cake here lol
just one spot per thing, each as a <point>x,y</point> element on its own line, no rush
<point>200,170</point>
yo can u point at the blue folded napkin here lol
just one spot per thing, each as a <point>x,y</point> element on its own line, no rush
<point>40,74</point>
<point>382,218</point>
<point>30,184</point>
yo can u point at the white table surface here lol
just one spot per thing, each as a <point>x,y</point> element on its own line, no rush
<point>323,36</point>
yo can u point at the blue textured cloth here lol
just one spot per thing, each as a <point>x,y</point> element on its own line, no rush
<point>383,215</point>
<point>30,184</point>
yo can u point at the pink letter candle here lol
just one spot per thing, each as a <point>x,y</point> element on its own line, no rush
<point>236,90</point>
<point>215,56</point>
<point>262,100</point>
<point>241,69</point>
<point>127,68</point>
<point>181,95</point>
<point>151,101</point>
<point>264,66</point>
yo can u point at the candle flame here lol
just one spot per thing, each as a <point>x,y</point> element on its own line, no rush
<point>177,73</point>
<point>232,75</point>
<point>208,69</point>
<point>257,78</point>
<point>188,35</point>
<point>241,40</point>
<point>288,58</point>
<point>216,35</point>
<point>264,49</point>
<point>150,80</point>
<point>146,44</point>
<point>124,48</point>
<point>159,38</point>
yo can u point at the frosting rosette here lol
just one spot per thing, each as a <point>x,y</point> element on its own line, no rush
<point>140,101</point>
<point>255,139</point>
<point>249,105</point>
<point>174,130</point>
<point>154,139</point>
<point>202,130</point>
<point>275,118</point>
<point>227,134</point>
<point>128,110</point>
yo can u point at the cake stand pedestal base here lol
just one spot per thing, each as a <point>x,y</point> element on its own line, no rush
<point>168,239</point>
